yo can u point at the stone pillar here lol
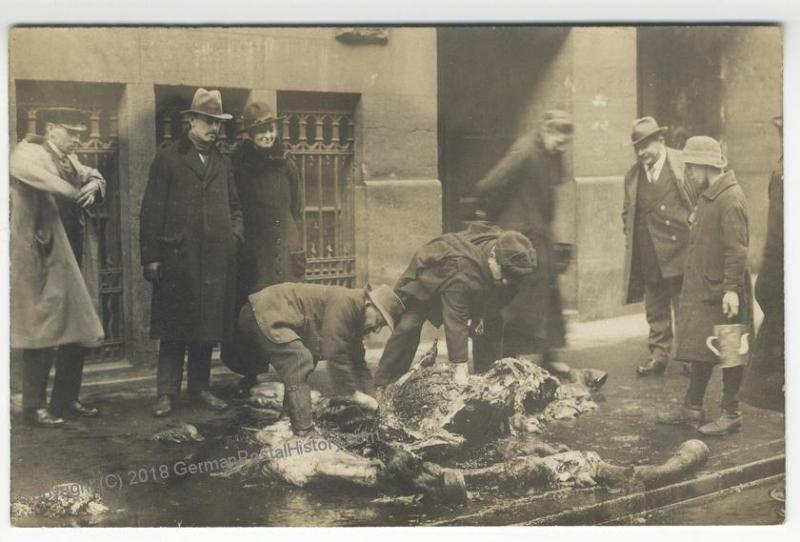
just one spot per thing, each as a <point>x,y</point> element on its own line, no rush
<point>597,68</point>
<point>137,140</point>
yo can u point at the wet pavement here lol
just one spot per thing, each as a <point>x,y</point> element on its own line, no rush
<point>151,483</point>
<point>750,504</point>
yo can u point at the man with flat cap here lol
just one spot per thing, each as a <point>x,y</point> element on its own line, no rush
<point>655,216</point>
<point>53,314</point>
<point>519,194</point>
<point>716,285</point>
<point>190,231</point>
<point>448,282</point>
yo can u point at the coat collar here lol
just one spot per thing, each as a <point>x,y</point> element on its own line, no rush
<point>720,185</point>
<point>192,158</point>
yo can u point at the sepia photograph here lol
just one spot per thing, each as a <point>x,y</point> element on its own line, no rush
<point>415,275</point>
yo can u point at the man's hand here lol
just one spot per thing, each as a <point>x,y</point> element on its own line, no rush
<point>365,401</point>
<point>86,196</point>
<point>461,373</point>
<point>152,272</point>
<point>730,304</point>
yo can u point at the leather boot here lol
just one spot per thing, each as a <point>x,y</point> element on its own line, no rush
<point>729,422</point>
<point>298,401</point>
<point>682,415</point>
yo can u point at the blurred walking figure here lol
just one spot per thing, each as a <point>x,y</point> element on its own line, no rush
<point>53,315</point>
<point>655,218</point>
<point>716,285</point>
<point>519,194</point>
<point>191,230</point>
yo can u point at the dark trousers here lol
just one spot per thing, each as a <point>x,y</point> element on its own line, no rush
<point>698,382</point>
<point>36,371</point>
<point>292,361</point>
<point>398,355</point>
<point>660,302</point>
<point>170,367</point>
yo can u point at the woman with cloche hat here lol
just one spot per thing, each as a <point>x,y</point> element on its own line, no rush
<point>268,185</point>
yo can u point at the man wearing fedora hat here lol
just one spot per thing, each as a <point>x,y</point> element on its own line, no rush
<point>53,313</point>
<point>449,281</point>
<point>716,285</point>
<point>190,231</point>
<point>292,326</point>
<point>655,217</point>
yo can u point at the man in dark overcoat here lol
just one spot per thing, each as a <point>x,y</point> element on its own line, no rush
<point>764,384</point>
<point>716,284</point>
<point>191,228</point>
<point>53,316</point>
<point>448,282</point>
<point>291,326</point>
<point>519,194</point>
<point>655,217</point>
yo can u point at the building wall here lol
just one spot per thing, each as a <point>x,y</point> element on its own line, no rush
<point>752,73</point>
<point>396,115</point>
<point>606,79</point>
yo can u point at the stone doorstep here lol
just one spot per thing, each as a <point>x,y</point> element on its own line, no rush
<point>583,508</point>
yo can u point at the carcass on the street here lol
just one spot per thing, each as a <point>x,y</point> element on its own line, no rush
<point>426,415</point>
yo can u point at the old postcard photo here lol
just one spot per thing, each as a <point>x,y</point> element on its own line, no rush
<point>472,275</point>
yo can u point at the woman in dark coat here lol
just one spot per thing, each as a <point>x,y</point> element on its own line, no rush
<point>268,185</point>
<point>267,182</point>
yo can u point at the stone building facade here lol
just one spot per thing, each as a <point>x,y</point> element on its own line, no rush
<point>392,127</point>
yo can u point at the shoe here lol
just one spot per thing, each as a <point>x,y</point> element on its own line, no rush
<point>208,399</point>
<point>681,415</point>
<point>76,408</point>
<point>163,406</point>
<point>724,425</point>
<point>242,390</point>
<point>651,367</point>
<point>556,367</point>
<point>41,417</point>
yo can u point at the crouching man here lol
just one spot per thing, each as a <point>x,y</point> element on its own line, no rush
<point>291,326</point>
<point>449,281</point>
<point>716,284</point>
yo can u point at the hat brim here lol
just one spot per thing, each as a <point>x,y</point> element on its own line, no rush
<point>658,131</point>
<point>221,116</point>
<point>386,316</point>
<point>73,127</point>
<point>704,162</point>
<point>264,122</point>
